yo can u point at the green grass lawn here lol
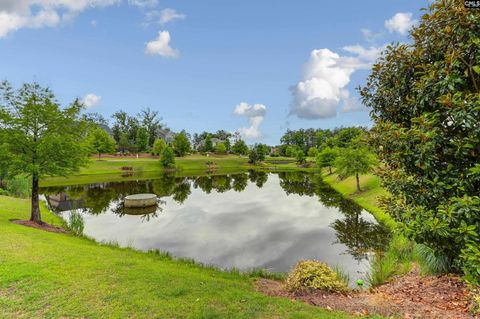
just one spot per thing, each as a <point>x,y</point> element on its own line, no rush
<point>372,191</point>
<point>48,275</point>
<point>109,169</point>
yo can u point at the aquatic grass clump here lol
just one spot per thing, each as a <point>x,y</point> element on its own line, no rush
<point>382,268</point>
<point>431,263</point>
<point>396,260</point>
<point>342,275</point>
<point>264,273</point>
<point>76,223</point>
<point>313,274</point>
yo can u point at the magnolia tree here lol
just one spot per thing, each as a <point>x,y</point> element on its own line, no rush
<point>425,100</point>
<point>40,137</point>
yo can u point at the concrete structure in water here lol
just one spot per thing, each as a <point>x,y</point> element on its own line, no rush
<point>140,200</point>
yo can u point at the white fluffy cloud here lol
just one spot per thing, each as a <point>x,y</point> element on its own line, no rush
<point>255,114</point>
<point>18,14</point>
<point>90,100</point>
<point>167,15</point>
<point>143,3</point>
<point>325,77</point>
<point>401,22</point>
<point>162,17</point>
<point>161,46</point>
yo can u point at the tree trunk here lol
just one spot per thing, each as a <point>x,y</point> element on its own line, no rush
<point>99,156</point>
<point>35,216</point>
<point>358,183</point>
<point>330,169</point>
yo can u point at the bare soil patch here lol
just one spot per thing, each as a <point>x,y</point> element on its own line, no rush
<point>43,226</point>
<point>409,296</point>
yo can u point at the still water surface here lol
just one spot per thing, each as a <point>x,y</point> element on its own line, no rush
<point>249,220</point>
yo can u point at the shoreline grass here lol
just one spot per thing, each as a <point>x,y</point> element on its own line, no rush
<point>51,275</point>
<point>109,169</point>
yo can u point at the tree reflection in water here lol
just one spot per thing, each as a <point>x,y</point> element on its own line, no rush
<point>355,230</point>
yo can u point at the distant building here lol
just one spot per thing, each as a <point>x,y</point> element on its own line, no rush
<point>106,128</point>
<point>165,134</point>
<point>215,141</point>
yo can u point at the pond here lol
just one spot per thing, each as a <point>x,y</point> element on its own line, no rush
<point>244,221</point>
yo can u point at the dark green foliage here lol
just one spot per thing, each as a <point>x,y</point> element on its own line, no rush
<point>292,150</point>
<point>306,139</point>
<point>124,130</point>
<point>181,144</point>
<point>240,147</point>
<point>424,98</point>
<point>152,123</point>
<point>346,136</point>
<point>167,157</point>
<point>123,143</point>
<point>257,154</point>
<point>228,145</point>
<point>208,146</point>
<point>41,138</point>
<point>141,140</point>
<point>300,157</point>
<point>100,141</point>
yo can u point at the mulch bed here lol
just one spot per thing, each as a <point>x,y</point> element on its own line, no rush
<point>43,226</point>
<point>409,296</point>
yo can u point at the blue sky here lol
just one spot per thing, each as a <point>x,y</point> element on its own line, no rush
<point>257,66</point>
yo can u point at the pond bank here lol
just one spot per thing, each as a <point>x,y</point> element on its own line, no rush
<point>51,275</point>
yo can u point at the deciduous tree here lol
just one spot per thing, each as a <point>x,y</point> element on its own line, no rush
<point>42,138</point>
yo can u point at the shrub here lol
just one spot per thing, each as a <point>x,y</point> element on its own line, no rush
<point>312,151</point>
<point>167,158</point>
<point>158,146</point>
<point>313,274</point>
<point>300,157</point>
<point>76,223</point>
<point>220,148</point>
<point>19,186</point>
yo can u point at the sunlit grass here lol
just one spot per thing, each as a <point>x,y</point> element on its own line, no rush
<point>49,275</point>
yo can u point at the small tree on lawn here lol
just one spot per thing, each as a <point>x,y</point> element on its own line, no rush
<point>142,139</point>
<point>313,152</point>
<point>100,142</point>
<point>240,147</point>
<point>181,144</point>
<point>208,146</point>
<point>167,157</point>
<point>228,146</point>
<point>291,151</point>
<point>220,148</point>
<point>353,162</point>
<point>158,146</point>
<point>256,154</point>
<point>300,157</point>
<point>41,138</point>
<point>326,158</point>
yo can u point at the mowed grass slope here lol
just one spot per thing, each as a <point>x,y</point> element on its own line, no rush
<point>48,275</point>
<point>149,167</point>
